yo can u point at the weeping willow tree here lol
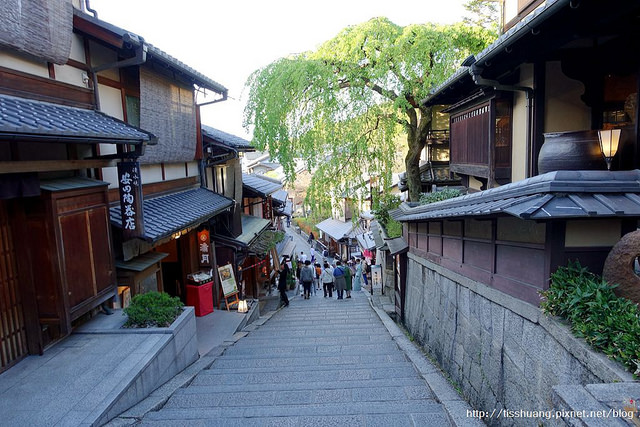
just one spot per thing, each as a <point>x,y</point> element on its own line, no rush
<point>339,108</point>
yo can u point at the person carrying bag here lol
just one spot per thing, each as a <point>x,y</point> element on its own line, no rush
<point>326,277</point>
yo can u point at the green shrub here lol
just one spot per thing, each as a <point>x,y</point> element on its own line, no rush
<point>607,322</point>
<point>152,309</point>
<point>384,204</point>
<point>438,196</point>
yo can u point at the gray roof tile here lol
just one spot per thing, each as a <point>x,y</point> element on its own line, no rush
<point>260,184</point>
<point>155,54</point>
<point>227,139</point>
<point>366,241</point>
<point>335,229</point>
<point>165,215</point>
<point>36,119</point>
<point>559,194</point>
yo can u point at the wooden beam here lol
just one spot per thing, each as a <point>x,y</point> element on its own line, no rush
<point>17,83</point>
<point>54,165</point>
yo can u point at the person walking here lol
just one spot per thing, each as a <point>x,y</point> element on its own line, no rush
<point>318,269</point>
<point>357,277</point>
<point>349,271</point>
<point>327,280</point>
<point>306,277</point>
<point>282,283</point>
<point>339,279</point>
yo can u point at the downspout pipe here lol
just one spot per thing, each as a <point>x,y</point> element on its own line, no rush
<point>476,75</point>
<point>140,58</point>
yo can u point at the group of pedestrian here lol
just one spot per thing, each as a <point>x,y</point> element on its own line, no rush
<point>343,277</point>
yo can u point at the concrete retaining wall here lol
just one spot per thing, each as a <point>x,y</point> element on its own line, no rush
<point>175,350</point>
<point>501,352</point>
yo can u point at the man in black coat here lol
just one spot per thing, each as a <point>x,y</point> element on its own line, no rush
<point>282,283</point>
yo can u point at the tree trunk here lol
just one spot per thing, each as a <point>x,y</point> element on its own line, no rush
<point>416,140</point>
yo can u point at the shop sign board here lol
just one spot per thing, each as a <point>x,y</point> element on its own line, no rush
<point>376,277</point>
<point>130,199</point>
<point>204,248</point>
<point>227,280</point>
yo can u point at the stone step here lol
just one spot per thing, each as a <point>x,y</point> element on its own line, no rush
<point>373,420</point>
<point>318,385</point>
<point>282,351</point>
<point>322,340</point>
<point>247,361</point>
<point>183,399</point>
<point>212,377</point>
<point>305,365</point>
<point>321,409</point>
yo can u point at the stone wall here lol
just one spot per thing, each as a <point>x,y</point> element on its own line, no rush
<point>501,352</point>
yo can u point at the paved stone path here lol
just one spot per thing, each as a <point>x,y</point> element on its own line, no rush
<point>317,362</point>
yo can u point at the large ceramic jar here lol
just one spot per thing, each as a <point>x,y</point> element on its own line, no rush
<point>579,150</point>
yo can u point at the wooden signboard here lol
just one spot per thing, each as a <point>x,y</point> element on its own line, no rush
<point>229,285</point>
<point>130,192</point>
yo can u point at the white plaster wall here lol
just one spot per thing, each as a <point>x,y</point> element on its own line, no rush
<point>77,49</point>
<point>519,126</point>
<point>110,175</point>
<point>192,169</point>
<point>510,9</point>
<point>564,110</point>
<point>174,171</point>
<point>71,75</point>
<point>150,173</point>
<point>111,101</point>
<point>24,64</point>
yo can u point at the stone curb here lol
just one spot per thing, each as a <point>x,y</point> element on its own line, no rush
<point>454,405</point>
<point>161,395</point>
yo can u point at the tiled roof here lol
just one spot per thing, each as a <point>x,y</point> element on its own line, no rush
<point>155,54</point>
<point>397,245</point>
<point>254,238</point>
<point>559,194</point>
<point>335,229</point>
<point>431,174</point>
<point>260,184</point>
<point>280,196</point>
<point>366,241</point>
<point>71,183</point>
<point>227,139</point>
<point>165,215</point>
<point>252,227</point>
<point>31,119</point>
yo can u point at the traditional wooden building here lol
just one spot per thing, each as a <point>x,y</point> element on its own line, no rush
<point>82,200</point>
<point>56,244</point>
<point>525,118</point>
<point>147,87</point>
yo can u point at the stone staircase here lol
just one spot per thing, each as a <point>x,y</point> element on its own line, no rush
<point>317,362</point>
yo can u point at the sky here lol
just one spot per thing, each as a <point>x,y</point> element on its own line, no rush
<point>228,40</point>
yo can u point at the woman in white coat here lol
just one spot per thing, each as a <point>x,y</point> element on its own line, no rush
<point>326,277</point>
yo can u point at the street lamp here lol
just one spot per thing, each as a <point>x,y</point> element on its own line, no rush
<point>609,140</point>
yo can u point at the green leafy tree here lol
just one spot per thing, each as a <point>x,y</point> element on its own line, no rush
<point>485,13</point>
<point>340,107</point>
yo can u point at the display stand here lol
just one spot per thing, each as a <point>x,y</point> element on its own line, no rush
<point>229,300</point>
<point>229,289</point>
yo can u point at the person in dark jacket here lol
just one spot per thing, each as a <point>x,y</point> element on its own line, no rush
<point>306,277</point>
<point>282,284</point>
